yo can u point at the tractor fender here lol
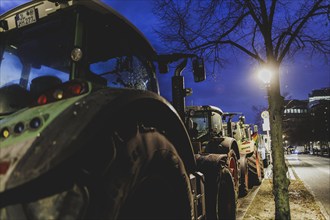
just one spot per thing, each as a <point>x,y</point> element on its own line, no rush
<point>231,144</point>
<point>85,125</point>
<point>222,145</point>
<point>154,111</point>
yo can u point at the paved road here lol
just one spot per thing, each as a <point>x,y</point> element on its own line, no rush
<point>314,171</point>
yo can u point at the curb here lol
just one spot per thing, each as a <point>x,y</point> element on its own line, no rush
<point>245,202</point>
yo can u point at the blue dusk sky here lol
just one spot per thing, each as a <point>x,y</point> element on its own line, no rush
<point>236,87</point>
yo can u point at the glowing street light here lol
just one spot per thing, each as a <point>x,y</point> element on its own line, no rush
<point>265,75</point>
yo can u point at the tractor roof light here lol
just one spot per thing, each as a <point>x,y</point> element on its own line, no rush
<point>63,91</point>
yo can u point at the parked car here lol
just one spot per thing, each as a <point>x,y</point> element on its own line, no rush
<point>300,150</point>
<point>290,149</point>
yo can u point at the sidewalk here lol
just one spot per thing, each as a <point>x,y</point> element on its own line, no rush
<point>259,203</point>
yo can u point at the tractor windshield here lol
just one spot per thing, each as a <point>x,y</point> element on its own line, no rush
<point>78,42</point>
<point>28,54</point>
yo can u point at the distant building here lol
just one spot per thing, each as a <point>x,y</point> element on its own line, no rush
<point>319,105</point>
<point>307,122</point>
<point>319,94</point>
<point>295,122</point>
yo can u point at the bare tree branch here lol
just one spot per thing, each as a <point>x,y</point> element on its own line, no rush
<point>254,38</point>
<point>222,22</point>
<point>303,21</point>
<point>251,8</point>
<point>272,12</point>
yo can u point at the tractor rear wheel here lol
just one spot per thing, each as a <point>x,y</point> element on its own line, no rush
<point>227,205</point>
<point>220,195</point>
<point>146,180</point>
<point>254,165</point>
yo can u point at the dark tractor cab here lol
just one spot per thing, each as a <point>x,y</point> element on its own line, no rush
<point>207,120</point>
<point>86,41</point>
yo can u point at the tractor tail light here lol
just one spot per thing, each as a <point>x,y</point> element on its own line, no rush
<point>76,89</point>
<point>4,166</point>
<point>42,99</point>
<point>63,91</point>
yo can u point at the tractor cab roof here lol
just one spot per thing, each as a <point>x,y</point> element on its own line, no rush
<point>204,108</point>
<point>35,11</point>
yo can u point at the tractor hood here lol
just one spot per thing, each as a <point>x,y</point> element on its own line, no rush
<point>28,128</point>
<point>246,147</point>
<point>65,128</point>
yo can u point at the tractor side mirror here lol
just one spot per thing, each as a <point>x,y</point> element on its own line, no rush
<point>163,67</point>
<point>163,61</point>
<point>199,69</point>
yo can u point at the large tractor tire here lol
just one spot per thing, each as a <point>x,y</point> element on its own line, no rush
<point>254,166</point>
<point>244,177</point>
<point>227,205</point>
<point>145,180</point>
<point>220,196</point>
<point>214,147</point>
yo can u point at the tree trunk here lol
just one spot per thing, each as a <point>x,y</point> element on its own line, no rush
<point>280,180</point>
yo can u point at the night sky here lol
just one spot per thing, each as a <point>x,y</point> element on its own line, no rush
<point>236,87</point>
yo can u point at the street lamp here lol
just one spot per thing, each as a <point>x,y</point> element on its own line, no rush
<point>265,75</point>
<point>286,147</point>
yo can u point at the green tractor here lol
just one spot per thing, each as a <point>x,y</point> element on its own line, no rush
<point>251,164</point>
<point>207,133</point>
<point>84,133</point>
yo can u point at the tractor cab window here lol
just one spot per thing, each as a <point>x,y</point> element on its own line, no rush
<point>10,63</point>
<point>116,54</point>
<point>41,51</point>
<point>202,122</point>
<point>247,132</point>
<point>216,121</point>
<point>76,43</point>
<point>123,72</point>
